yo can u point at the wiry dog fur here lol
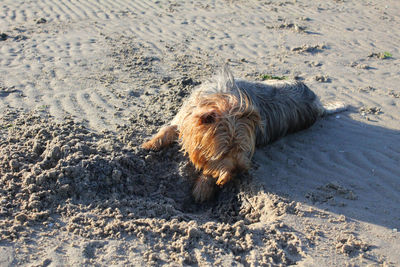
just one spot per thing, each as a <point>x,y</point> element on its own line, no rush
<point>224,119</point>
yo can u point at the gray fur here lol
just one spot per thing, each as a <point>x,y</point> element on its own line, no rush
<point>284,106</point>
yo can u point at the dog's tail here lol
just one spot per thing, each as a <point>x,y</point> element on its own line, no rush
<point>333,107</point>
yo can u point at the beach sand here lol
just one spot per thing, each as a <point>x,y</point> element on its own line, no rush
<point>84,83</point>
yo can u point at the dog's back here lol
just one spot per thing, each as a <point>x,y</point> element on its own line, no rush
<point>285,107</point>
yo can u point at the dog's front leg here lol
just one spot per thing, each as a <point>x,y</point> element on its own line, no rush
<point>165,136</point>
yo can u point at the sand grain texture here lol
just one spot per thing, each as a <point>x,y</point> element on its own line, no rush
<point>84,83</point>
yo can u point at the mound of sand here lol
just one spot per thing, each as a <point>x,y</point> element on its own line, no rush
<point>64,177</point>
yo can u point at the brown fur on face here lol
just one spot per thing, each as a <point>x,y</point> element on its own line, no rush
<point>219,136</point>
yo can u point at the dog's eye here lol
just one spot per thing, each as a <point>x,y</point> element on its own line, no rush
<point>208,118</point>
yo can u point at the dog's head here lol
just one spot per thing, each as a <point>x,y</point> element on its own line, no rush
<point>219,135</point>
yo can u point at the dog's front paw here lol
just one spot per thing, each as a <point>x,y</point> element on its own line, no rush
<point>164,137</point>
<point>150,145</point>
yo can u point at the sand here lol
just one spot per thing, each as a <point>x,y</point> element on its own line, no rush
<point>84,83</point>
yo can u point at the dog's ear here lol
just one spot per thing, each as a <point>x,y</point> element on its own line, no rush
<point>208,117</point>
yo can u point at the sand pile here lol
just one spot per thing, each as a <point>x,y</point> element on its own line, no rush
<point>65,177</point>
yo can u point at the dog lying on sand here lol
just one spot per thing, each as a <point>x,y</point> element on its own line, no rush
<point>224,119</point>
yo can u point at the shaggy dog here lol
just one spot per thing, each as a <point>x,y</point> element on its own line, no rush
<point>224,119</point>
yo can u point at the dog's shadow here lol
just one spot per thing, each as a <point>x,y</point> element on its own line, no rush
<point>345,166</point>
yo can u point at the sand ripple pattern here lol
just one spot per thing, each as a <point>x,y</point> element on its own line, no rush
<point>60,61</point>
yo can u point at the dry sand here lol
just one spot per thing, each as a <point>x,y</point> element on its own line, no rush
<point>83,83</point>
